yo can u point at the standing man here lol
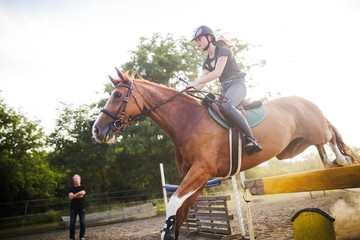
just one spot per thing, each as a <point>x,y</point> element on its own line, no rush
<point>77,197</point>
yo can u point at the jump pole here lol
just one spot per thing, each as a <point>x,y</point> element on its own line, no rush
<point>325,179</point>
<point>236,193</point>
<point>163,185</point>
<point>238,206</point>
<point>237,200</point>
<point>247,203</point>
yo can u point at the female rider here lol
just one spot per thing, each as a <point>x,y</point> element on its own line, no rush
<point>221,64</point>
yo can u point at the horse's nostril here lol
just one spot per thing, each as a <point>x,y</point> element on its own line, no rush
<point>96,130</point>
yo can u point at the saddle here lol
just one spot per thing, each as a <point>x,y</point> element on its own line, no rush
<point>244,105</point>
<point>256,114</point>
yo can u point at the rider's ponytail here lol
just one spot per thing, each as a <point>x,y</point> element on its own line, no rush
<point>221,42</point>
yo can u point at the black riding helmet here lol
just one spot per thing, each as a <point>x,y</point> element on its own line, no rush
<point>203,31</point>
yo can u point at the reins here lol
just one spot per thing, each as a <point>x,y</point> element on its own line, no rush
<point>156,106</point>
<point>119,123</point>
<point>209,97</point>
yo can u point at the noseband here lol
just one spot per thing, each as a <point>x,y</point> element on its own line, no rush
<point>118,123</point>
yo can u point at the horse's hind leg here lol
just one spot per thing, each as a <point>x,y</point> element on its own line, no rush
<point>344,155</point>
<point>340,159</point>
<point>324,158</point>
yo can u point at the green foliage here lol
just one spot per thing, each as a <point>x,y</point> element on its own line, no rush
<point>164,59</point>
<point>75,151</point>
<point>24,174</point>
<point>238,49</point>
<point>50,216</point>
<point>147,146</point>
<point>130,163</point>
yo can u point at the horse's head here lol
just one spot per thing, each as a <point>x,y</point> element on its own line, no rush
<point>121,109</point>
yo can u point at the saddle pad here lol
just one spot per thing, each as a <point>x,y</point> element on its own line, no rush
<point>253,117</point>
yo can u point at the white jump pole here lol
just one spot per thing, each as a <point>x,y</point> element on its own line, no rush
<point>163,185</point>
<point>235,188</point>
<point>238,206</point>
<point>247,202</point>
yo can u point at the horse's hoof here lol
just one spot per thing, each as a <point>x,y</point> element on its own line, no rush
<point>168,231</point>
<point>171,237</point>
<point>168,236</point>
<point>350,160</point>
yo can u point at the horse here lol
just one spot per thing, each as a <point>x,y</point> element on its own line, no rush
<point>292,124</point>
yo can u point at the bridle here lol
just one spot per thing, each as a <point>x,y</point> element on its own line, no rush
<point>118,123</point>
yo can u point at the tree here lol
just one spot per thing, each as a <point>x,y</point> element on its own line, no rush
<point>24,174</point>
<point>75,151</point>
<point>163,60</point>
<point>132,162</point>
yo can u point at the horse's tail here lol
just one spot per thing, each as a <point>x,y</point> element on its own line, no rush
<point>344,149</point>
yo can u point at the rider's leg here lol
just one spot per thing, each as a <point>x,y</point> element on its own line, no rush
<point>238,120</point>
<point>236,93</point>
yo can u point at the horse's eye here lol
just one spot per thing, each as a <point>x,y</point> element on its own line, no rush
<point>118,95</point>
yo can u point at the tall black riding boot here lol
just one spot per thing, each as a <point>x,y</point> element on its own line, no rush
<point>237,119</point>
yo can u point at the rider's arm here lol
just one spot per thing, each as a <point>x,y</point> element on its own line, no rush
<point>208,76</point>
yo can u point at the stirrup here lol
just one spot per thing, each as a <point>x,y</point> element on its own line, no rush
<point>252,146</point>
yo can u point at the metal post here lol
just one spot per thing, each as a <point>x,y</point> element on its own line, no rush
<point>23,222</point>
<point>247,202</point>
<point>163,185</point>
<point>238,206</point>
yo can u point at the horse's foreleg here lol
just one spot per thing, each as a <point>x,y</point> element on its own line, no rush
<point>182,212</point>
<point>180,202</point>
<point>170,231</point>
<point>324,158</point>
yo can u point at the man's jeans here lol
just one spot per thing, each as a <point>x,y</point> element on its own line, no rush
<point>73,214</point>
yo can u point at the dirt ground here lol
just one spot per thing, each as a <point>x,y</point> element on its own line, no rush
<point>271,219</point>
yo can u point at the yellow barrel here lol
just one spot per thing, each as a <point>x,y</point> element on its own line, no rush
<point>313,223</point>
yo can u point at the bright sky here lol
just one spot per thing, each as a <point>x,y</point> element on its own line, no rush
<point>52,51</point>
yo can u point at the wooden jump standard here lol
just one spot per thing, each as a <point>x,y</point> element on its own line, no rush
<point>209,215</point>
<point>327,179</point>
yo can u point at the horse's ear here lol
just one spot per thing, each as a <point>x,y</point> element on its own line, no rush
<point>120,74</point>
<point>114,82</point>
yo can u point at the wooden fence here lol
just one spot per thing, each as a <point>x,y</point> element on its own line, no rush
<point>209,215</point>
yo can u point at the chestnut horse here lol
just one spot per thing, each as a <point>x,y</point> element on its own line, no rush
<point>201,145</point>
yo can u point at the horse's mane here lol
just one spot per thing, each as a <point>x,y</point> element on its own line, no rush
<point>132,77</point>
